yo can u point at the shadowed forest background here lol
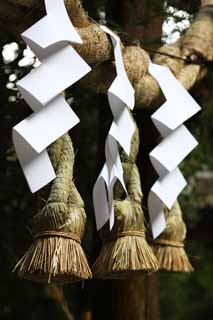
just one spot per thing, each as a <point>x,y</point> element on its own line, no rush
<point>180,296</point>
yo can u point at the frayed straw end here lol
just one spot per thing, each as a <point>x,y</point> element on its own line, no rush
<point>54,260</point>
<point>173,259</point>
<point>124,257</point>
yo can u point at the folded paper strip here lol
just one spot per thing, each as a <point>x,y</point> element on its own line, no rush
<point>121,97</point>
<point>177,143</point>
<point>56,254</point>
<point>61,66</point>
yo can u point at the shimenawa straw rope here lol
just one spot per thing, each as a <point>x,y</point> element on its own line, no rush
<point>169,246</point>
<point>56,254</point>
<point>125,251</point>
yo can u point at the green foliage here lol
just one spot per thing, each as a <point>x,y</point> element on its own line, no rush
<point>186,296</point>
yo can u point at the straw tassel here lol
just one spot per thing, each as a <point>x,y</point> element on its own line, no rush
<point>169,247</point>
<point>56,254</point>
<point>125,251</point>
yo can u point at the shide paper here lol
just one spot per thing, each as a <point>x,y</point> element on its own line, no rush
<point>121,97</point>
<point>61,66</point>
<point>177,143</point>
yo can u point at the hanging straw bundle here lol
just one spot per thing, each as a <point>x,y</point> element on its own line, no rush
<point>125,251</point>
<point>169,247</point>
<point>56,254</point>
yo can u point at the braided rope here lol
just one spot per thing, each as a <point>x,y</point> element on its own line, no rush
<point>125,234</point>
<point>176,244</point>
<point>58,234</point>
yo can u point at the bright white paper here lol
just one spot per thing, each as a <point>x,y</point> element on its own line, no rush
<point>52,31</point>
<point>176,145</point>
<point>56,73</point>
<point>121,97</point>
<point>61,66</point>
<point>172,150</point>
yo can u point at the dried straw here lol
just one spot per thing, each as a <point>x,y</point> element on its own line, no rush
<point>125,251</point>
<point>169,247</point>
<point>56,254</point>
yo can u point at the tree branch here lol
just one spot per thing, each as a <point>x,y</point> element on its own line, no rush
<point>56,293</point>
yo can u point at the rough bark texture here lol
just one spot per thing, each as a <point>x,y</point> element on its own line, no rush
<point>144,304</point>
<point>56,293</point>
<point>141,20</point>
<point>152,298</point>
<point>128,304</point>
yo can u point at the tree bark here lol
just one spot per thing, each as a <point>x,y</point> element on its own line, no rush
<point>129,299</point>
<point>152,297</point>
<point>56,293</point>
<point>142,20</point>
<point>138,299</point>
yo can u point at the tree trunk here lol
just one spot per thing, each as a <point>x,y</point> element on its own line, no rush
<point>136,299</point>
<point>129,299</point>
<point>152,297</point>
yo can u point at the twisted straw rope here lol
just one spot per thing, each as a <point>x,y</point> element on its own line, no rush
<point>125,251</point>
<point>125,234</point>
<point>58,234</point>
<point>56,254</point>
<point>176,244</point>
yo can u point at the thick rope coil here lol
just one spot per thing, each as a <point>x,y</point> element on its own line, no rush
<point>56,254</point>
<point>176,144</point>
<point>125,251</point>
<point>169,247</point>
<point>34,134</point>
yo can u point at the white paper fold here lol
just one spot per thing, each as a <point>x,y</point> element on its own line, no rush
<point>61,66</point>
<point>53,30</point>
<point>121,97</point>
<point>176,145</point>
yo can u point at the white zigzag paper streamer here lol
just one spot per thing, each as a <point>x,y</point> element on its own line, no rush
<point>176,145</point>
<point>120,96</point>
<point>61,66</point>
